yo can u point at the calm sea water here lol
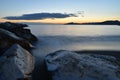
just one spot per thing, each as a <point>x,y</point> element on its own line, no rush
<point>75,37</point>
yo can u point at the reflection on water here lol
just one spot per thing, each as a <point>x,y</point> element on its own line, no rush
<point>75,37</point>
<point>72,37</point>
<point>75,30</point>
<point>48,44</point>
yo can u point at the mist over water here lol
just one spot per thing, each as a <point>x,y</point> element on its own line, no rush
<point>75,38</point>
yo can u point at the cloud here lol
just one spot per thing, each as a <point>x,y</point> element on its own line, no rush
<point>40,16</point>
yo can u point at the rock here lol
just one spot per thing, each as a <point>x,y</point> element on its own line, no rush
<point>16,64</point>
<point>19,30</point>
<point>66,65</point>
<point>11,26</point>
<point>25,34</point>
<point>5,33</point>
<point>8,38</point>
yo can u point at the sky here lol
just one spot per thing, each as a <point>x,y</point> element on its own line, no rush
<point>59,11</point>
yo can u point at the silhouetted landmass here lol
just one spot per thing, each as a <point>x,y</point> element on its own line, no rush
<point>72,23</point>
<point>109,22</point>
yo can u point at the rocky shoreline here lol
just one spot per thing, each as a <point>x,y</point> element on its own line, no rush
<point>68,65</point>
<point>18,63</point>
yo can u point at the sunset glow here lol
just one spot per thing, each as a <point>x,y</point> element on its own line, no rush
<point>93,10</point>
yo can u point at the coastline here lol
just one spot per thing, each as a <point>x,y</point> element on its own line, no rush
<point>42,69</point>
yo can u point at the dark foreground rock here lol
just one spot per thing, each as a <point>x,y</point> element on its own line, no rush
<point>16,64</point>
<point>8,38</point>
<point>19,30</point>
<point>66,65</point>
<point>12,33</point>
<point>11,26</point>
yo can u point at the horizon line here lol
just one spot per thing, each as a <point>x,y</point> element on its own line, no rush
<point>15,21</point>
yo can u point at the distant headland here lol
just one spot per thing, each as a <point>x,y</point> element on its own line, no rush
<point>108,22</point>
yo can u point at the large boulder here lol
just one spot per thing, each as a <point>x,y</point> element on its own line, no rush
<point>66,65</point>
<point>16,64</point>
<point>8,38</point>
<point>19,30</point>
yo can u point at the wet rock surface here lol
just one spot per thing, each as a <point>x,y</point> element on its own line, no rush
<point>11,33</point>
<point>66,65</point>
<point>16,63</point>
<point>19,30</point>
<point>8,38</point>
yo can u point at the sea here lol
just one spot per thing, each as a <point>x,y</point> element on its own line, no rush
<point>75,37</point>
<point>52,38</point>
